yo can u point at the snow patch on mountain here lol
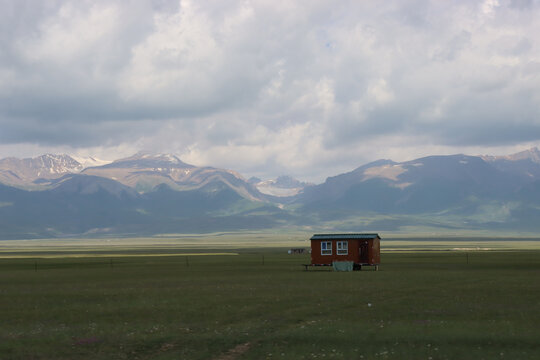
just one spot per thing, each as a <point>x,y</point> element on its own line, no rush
<point>90,161</point>
<point>54,164</point>
<point>147,160</point>
<point>283,186</point>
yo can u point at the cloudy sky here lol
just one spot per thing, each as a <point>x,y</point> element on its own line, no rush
<point>306,88</point>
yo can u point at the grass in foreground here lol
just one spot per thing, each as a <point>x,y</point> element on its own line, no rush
<point>418,306</point>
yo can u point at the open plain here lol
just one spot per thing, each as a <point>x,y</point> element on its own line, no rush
<point>154,299</point>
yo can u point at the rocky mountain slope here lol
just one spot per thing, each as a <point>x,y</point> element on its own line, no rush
<point>144,172</point>
<point>150,194</point>
<point>24,172</point>
<point>476,191</point>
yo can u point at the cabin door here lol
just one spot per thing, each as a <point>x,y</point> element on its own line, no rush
<point>364,255</point>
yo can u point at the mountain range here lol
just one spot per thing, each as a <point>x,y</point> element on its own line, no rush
<point>148,194</point>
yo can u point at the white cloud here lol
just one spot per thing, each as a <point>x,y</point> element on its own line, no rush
<point>489,7</point>
<point>379,93</point>
<point>72,34</point>
<point>266,87</point>
<point>176,62</point>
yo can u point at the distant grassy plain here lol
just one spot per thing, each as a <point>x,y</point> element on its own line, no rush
<point>182,244</point>
<point>247,299</point>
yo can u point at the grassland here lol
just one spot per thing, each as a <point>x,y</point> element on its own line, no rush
<point>261,304</point>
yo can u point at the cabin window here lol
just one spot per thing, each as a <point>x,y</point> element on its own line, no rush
<point>342,247</point>
<point>326,248</point>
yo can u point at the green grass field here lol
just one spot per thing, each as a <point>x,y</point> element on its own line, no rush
<point>261,304</point>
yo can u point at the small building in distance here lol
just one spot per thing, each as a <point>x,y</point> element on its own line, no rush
<point>296,251</point>
<point>361,249</point>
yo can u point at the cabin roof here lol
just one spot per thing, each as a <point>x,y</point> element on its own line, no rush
<point>344,236</point>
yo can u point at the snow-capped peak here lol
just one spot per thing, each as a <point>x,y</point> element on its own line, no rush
<point>90,161</point>
<point>149,160</point>
<point>281,187</point>
<point>54,164</point>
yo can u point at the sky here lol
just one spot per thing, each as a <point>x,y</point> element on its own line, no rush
<point>267,88</point>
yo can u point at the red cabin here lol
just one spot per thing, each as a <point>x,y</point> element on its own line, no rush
<point>361,249</point>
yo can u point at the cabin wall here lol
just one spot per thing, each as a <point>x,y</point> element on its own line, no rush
<point>318,258</point>
<point>375,254</point>
<point>360,251</point>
